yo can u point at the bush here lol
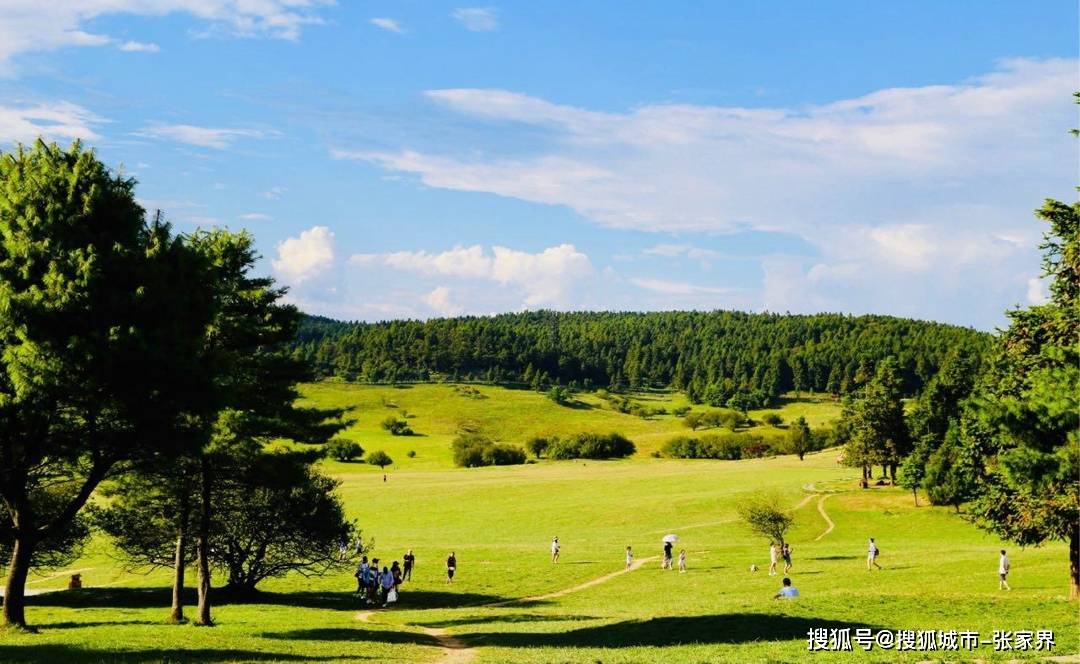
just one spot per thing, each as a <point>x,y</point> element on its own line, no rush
<point>537,445</point>
<point>411,454</point>
<point>474,450</point>
<point>343,450</point>
<point>397,426</point>
<point>680,411</point>
<point>559,395</point>
<point>726,446</point>
<point>772,419</point>
<point>592,446</point>
<point>715,418</point>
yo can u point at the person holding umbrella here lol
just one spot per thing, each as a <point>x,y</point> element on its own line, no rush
<point>669,541</point>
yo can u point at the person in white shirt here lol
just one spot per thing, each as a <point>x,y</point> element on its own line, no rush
<point>1003,572</point>
<point>555,549</point>
<point>682,560</point>
<point>787,591</point>
<point>871,555</point>
<point>629,557</point>
<point>772,558</point>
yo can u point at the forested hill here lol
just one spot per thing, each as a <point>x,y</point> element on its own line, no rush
<point>712,355</point>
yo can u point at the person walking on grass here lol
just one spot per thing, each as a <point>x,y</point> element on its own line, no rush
<point>451,567</point>
<point>409,560</point>
<point>772,558</point>
<point>667,556</point>
<point>554,549</point>
<point>872,553</point>
<point>787,591</point>
<point>395,569</point>
<point>785,552</point>
<point>1003,572</point>
<point>629,557</point>
<point>682,560</point>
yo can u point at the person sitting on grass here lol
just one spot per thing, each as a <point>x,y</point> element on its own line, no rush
<point>788,591</point>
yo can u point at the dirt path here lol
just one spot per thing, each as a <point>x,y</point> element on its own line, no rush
<point>573,589</point>
<point>455,651</point>
<point>824,515</point>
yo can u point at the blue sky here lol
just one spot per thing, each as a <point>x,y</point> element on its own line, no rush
<point>416,159</point>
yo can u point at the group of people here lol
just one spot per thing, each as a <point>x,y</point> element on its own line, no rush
<point>783,551</point>
<point>666,562</point>
<point>375,585</point>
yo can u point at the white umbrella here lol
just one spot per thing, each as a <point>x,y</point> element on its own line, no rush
<point>671,538</point>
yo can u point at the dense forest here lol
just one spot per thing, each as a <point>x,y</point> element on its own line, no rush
<point>713,356</point>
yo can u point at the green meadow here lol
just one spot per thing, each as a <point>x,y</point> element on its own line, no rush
<point>509,603</point>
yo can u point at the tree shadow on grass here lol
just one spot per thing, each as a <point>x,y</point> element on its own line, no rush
<point>353,634</point>
<point>150,598</point>
<point>670,631</point>
<point>505,618</point>
<point>73,654</point>
<point>832,558</point>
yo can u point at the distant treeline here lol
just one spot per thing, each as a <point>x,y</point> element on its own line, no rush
<point>713,356</point>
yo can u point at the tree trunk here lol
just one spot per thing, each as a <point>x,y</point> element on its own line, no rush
<point>203,546</point>
<point>1074,564</point>
<point>15,586</point>
<point>179,563</point>
<point>892,473</point>
<point>915,492</point>
<point>865,475</point>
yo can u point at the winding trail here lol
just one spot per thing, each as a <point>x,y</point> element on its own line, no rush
<point>637,564</point>
<point>824,515</point>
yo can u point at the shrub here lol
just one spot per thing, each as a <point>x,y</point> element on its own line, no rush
<point>592,446</point>
<point>559,395</point>
<point>537,445</point>
<point>772,419</point>
<point>680,411</point>
<point>474,450</point>
<point>397,426</point>
<point>727,446</point>
<point>411,454</point>
<point>343,450</point>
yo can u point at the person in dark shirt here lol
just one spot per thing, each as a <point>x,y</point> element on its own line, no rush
<point>667,555</point>
<point>451,567</point>
<point>409,560</point>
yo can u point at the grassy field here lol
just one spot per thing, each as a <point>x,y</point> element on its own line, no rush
<point>510,604</point>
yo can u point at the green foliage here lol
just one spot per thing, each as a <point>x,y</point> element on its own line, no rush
<point>950,477</point>
<point>537,445</point>
<point>1026,417</point>
<point>474,450</point>
<point>342,449</point>
<point>278,515</point>
<point>397,426</point>
<point>730,419</point>
<point>800,440</point>
<point>767,515</point>
<point>380,459</point>
<point>712,356</point>
<point>101,320</point>
<point>875,422</point>
<point>728,446</point>
<point>591,446</point>
<point>773,419</point>
<point>559,394</point>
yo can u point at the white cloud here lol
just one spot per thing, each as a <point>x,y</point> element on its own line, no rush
<point>388,24</point>
<point>1036,291</point>
<point>58,121</point>
<point>273,193</point>
<point>36,25</point>
<point>305,256</point>
<point>477,19</point>
<point>555,276</point>
<point>138,47</point>
<point>920,191</point>
<point>678,288</point>
<point>255,216</point>
<point>440,302</point>
<point>204,137</point>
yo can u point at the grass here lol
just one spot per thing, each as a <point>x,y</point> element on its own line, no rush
<point>940,572</point>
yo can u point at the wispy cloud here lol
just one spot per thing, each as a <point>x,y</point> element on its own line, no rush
<point>59,121</point>
<point>477,19</point>
<point>34,25</point>
<point>255,216</point>
<point>388,24</point>
<point>667,287</point>
<point>218,138</point>
<point>138,47</point>
<point>273,193</point>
